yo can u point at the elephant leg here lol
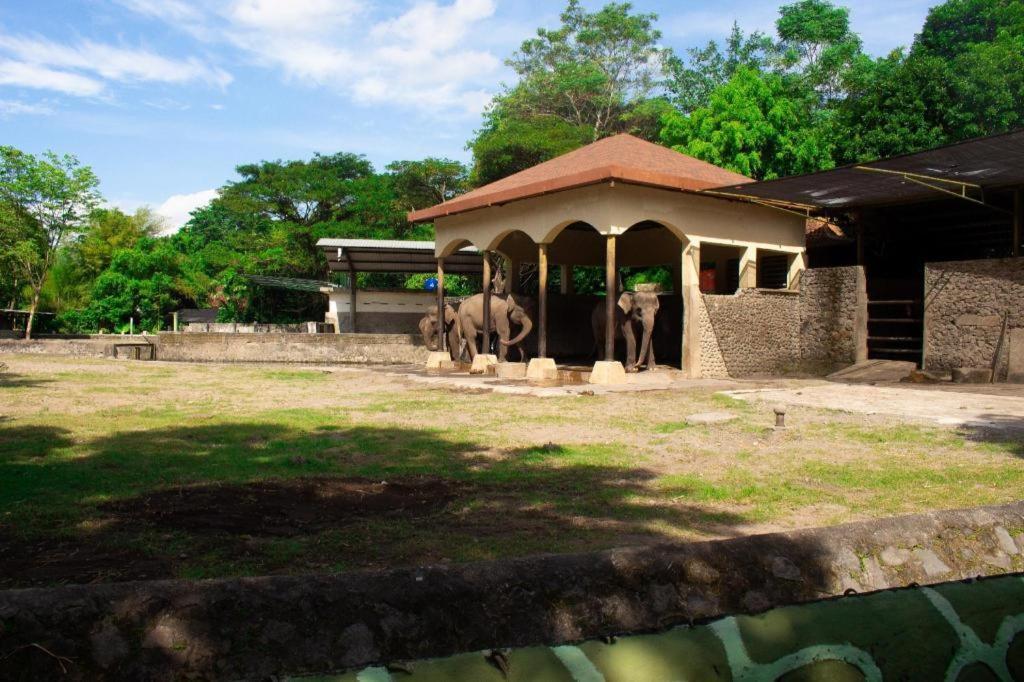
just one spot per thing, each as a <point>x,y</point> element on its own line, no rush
<point>629,335</point>
<point>469,332</point>
<point>454,344</point>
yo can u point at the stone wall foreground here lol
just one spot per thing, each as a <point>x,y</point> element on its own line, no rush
<point>965,303</point>
<point>261,627</point>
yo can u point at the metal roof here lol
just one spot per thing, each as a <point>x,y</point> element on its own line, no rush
<point>293,283</point>
<point>965,169</point>
<point>393,255</point>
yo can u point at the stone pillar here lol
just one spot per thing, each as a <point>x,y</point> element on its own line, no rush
<point>610,281</point>
<point>748,268</point>
<point>486,346</point>
<point>542,300</point>
<point>568,286</point>
<point>352,294</point>
<point>797,265</point>
<point>442,338</point>
<point>691,302</point>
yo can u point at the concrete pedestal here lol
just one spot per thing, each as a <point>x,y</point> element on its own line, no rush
<point>511,370</point>
<point>542,369</point>
<point>437,358</point>
<point>608,373</point>
<point>481,362</point>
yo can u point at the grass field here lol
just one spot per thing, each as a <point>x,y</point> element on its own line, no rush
<point>119,470</point>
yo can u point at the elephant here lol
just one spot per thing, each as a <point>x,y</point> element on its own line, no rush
<point>632,309</point>
<point>505,311</point>
<point>453,331</point>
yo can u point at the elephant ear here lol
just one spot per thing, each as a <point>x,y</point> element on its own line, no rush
<point>626,301</point>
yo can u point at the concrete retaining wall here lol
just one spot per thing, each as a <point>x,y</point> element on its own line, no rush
<point>84,346</point>
<point>263,627</point>
<point>327,348</point>
<point>965,303</point>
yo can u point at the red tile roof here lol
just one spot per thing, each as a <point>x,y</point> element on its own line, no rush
<point>622,157</point>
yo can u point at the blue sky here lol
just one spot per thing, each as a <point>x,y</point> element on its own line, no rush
<point>163,98</point>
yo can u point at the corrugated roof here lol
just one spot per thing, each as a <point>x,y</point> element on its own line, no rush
<point>395,255</point>
<point>623,157</point>
<point>981,163</point>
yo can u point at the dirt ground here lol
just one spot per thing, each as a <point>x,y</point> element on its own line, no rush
<point>116,470</point>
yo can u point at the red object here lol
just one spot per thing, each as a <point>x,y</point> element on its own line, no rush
<point>707,281</point>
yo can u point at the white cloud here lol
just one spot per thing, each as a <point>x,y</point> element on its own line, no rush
<point>177,207</point>
<point>167,10</point>
<point>10,107</point>
<point>421,56</point>
<point>111,62</point>
<point>43,78</point>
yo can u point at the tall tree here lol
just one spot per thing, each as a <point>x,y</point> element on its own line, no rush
<point>431,181</point>
<point>48,200</point>
<point>816,43</point>
<point>753,125</point>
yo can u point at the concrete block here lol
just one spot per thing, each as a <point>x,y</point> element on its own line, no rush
<point>481,362</point>
<point>542,369</point>
<point>511,370</point>
<point>437,358</point>
<point>608,373</point>
<point>972,375</point>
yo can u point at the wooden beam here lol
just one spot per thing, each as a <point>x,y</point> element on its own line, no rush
<point>486,346</point>
<point>610,302</point>
<point>442,339</point>
<point>542,298</point>
<point>568,286</point>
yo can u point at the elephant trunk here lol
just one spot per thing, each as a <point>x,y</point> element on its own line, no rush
<point>527,328</point>
<point>645,343</point>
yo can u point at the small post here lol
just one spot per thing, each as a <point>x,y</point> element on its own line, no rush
<point>542,299</point>
<point>131,325</point>
<point>609,303</point>
<point>442,339</point>
<point>174,321</point>
<point>486,346</point>
<point>780,416</point>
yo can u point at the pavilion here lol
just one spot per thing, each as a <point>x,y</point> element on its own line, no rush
<point>623,202</point>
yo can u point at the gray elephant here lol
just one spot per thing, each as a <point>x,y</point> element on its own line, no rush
<point>505,312</point>
<point>453,331</point>
<point>633,309</point>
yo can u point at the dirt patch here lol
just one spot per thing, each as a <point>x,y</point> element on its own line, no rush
<point>54,561</point>
<point>283,507</point>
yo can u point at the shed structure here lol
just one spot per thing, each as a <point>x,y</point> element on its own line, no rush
<point>623,202</point>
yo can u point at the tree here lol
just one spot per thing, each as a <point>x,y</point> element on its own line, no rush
<point>707,68</point>
<point>513,145</point>
<point>753,125</point>
<point>816,43</point>
<point>420,184</point>
<point>47,200</point>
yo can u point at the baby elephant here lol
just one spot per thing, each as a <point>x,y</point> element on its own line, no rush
<point>453,331</point>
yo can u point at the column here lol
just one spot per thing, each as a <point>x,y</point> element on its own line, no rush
<point>610,298</point>
<point>1018,220</point>
<point>542,300</point>
<point>486,347</point>
<point>691,301</point>
<point>442,339</point>
<point>351,295</point>
<point>512,283</point>
<point>797,265</point>
<point>568,286</point>
<point>748,268</point>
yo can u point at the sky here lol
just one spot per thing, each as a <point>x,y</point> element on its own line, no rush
<point>163,98</point>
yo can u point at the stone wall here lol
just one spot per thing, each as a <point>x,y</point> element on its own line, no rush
<point>326,348</point>
<point>965,303</point>
<point>833,318</point>
<point>770,331</point>
<point>262,628</point>
<point>756,331</point>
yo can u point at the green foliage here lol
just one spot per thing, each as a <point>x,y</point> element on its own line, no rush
<point>44,201</point>
<point>420,184</point>
<point>755,126</point>
<point>512,145</point>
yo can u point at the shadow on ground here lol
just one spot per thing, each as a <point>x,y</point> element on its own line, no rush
<point>1005,432</point>
<point>261,498</point>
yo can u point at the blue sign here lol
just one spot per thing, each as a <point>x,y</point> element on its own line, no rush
<point>430,284</point>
